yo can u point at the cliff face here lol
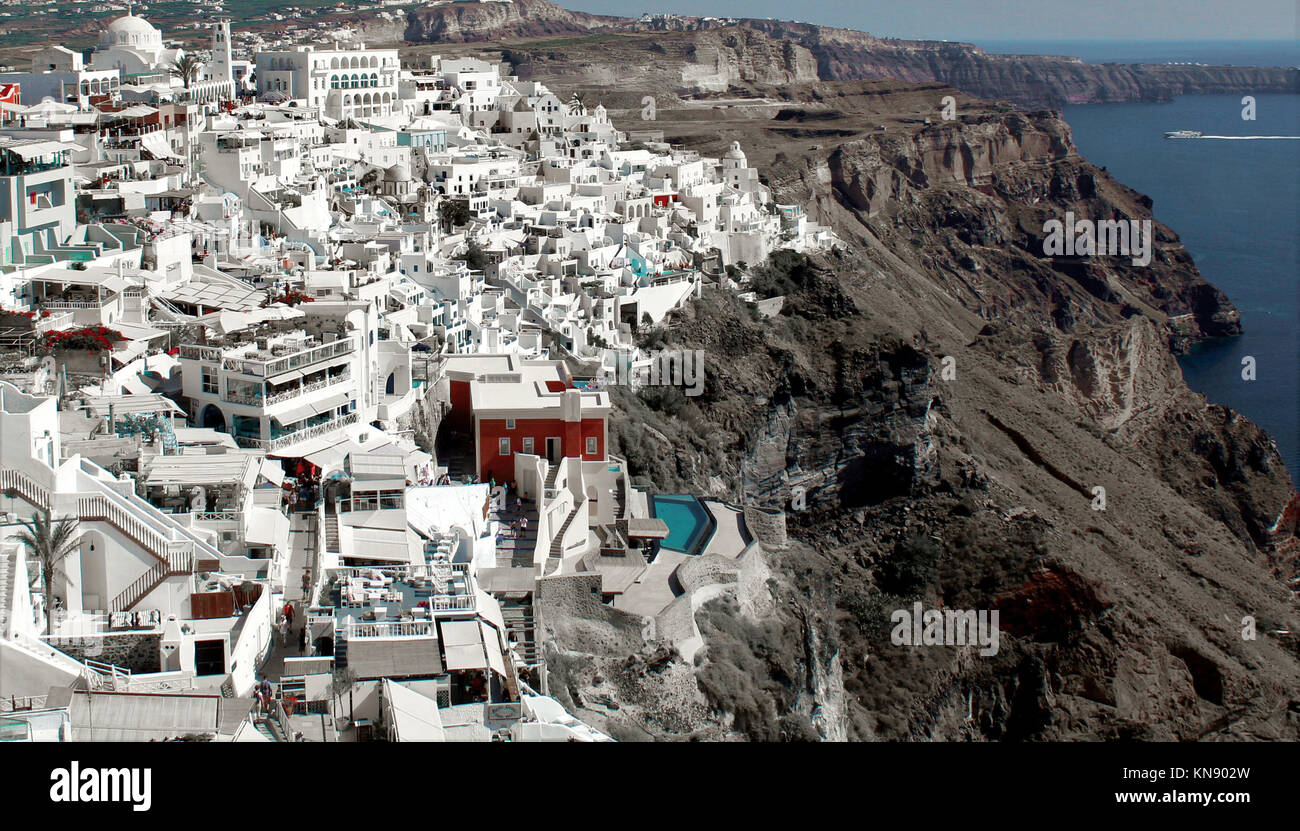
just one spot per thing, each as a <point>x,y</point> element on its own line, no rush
<point>1027,80</point>
<point>807,52</point>
<point>710,61</point>
<point>953,403</point>
<point>483,21</point>
<point>950,399</point>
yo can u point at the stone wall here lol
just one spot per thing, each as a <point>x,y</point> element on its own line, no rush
<point>766,525</point>
<point>569,610</point>
<point>136,651</point>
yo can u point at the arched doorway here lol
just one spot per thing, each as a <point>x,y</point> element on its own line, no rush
<point>213,418</point>
<point>390,384</point>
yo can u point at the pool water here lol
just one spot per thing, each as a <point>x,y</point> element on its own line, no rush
<point>687,520</point>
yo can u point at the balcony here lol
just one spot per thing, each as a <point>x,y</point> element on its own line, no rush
<point>289,395</point>
<point>392,629</point>
<point>264,366</point>
<point>288,439</point>
<point>192,352</point>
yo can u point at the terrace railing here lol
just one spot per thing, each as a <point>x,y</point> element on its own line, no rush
<point>392,629</point>
<point>281,442</point>
<point>267,368</point>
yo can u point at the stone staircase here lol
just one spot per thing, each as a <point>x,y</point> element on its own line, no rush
<point>557,541</point>
<point>522,628</point>
<point>331,532</point>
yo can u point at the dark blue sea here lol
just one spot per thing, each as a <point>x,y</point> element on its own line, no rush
<point>1236,205</point>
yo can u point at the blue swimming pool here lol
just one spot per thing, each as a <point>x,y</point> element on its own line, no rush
<point>689,523</point>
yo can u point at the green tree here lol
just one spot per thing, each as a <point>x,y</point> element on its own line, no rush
<point>185,67</point>
<point>474,256</point>
<point>49,542</point>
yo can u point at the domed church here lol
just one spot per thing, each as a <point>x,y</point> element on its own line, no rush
<point>132,46</point>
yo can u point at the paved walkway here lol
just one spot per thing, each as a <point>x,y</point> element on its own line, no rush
<point>302,555</point>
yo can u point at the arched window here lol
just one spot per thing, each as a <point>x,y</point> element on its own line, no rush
<point>374,80</point>
<point>334,80</point>
<point>334,63</point>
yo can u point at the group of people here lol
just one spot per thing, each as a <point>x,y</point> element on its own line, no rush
<point>286,626</point>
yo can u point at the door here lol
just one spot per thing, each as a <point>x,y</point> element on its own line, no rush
<point>553,450</point>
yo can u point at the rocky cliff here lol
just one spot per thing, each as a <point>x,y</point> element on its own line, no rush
<point>806,52</point>
<point>954,403</point>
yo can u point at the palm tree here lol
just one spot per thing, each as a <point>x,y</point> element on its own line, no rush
<point>185,67</point>
<point>49,542</point>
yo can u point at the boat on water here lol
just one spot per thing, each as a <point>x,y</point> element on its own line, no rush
<point>1182,134</point>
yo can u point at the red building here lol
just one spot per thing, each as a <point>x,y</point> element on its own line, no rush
<point>511,406</point>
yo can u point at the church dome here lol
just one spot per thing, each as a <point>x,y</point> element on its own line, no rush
<point>130,31</point>
<point>735,152</point>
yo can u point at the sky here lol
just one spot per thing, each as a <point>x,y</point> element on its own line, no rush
<point>969,20</point>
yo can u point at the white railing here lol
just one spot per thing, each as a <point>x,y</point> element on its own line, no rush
<point>25,485</point>
<point>265,369</point>
<point>303,390</point>
<point>281,442</point>
<point>453,603</point>
<point>54,322</point>
<point>15,704</point>
<point>71,304</point>
<point>194,352</point>
<point>101,507</point>
<point>217,516</point>
<point>392,629</point>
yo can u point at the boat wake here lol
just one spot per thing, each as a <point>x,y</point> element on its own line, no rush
<point>1249,138</point>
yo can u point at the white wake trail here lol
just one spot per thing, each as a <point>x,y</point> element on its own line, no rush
<point>1248,138</point>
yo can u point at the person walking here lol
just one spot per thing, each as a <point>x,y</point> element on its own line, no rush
<point>302,640</point>
<point>288,612</point>
<point>284,631</point>
<point>265,691</point>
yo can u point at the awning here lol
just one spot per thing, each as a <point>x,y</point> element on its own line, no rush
<point>272,472</point>
<point>492,645</point>
<point>463,645</point>
<point>394,657</point>
<point>414,717</point>
<point>294,415</point>
<point>156,143</point>
<point>331,403</point>
<point>291,375</point>
<point>32,150</point>
<point>266,527</point>
<point>379,544</point>
<point>329,457</point>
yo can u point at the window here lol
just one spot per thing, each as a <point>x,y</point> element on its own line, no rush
<point>209,381</point>
<point>591,445</point>
<point>510,424</point>
<point>503,447</point>
<point>390,499</point>
<point>528,445</point>
<point>365,501</point>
